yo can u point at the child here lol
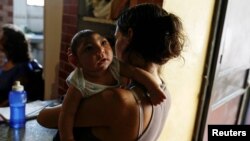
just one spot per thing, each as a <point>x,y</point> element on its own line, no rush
<point>97,69</point>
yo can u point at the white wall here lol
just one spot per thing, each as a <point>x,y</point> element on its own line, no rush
<point>184,78</point>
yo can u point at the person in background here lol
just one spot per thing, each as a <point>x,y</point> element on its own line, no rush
<point>3,60</point>
<point>147,37</point>
<point>19,65</point>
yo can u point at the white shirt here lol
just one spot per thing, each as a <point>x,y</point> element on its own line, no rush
<point>87,88</point>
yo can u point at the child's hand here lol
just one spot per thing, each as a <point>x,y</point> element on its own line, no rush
<point>156,95</point>
<point>124,82</point>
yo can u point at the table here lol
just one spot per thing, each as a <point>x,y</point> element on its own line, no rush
<point>32,132</point>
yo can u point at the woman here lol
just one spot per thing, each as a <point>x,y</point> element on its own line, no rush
<point>3,59</point>
<point>18,65</point>
<point>146,37</point>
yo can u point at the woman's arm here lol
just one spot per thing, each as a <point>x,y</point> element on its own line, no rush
<point>146,79</point>
<point>112,115</point>
<point>67,115</point>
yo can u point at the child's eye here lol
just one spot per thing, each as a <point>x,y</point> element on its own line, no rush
<point>88,48</point>
<point>105,43</point>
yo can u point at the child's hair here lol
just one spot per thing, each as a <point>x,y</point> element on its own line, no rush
<point>157,34</point>
<point>15,45</point>
<point>78,38</point>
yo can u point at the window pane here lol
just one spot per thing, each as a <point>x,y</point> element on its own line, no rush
<point>35,2</point>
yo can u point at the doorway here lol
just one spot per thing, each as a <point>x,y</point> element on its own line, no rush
<point>226,89</point>
<point>29,16</point>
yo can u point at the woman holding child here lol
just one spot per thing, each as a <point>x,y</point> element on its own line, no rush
<point>146,37</point>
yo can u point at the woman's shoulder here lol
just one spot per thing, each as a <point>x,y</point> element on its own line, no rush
<point>120,98</point>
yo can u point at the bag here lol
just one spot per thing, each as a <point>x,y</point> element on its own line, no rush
<point>35,81</point>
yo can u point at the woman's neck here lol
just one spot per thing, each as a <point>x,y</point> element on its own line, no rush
<point>154,70</point>
<point>151,68</point>
<point>138,61</point>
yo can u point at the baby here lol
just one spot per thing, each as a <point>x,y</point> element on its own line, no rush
<point>96,70</point>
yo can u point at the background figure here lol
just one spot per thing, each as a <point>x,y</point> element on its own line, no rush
<point>3,60</point>
<point>19,65</point>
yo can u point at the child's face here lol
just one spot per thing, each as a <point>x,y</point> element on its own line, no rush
<point>94,54</point>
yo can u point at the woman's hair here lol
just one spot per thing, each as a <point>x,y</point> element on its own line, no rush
<point>78,38</point>
<point>157,34</point>
<point>15,45</point>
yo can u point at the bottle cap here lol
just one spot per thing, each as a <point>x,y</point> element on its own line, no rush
<point>17,86</point>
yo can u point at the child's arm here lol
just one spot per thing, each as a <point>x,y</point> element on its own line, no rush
<point>67,115</point>
<point>157,95</point>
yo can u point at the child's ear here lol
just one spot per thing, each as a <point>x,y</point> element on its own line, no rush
<point>72,60</point>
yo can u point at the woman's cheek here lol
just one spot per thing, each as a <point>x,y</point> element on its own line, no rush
<point>120,48</point>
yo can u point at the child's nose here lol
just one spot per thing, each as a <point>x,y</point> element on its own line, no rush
<point>101,50</point>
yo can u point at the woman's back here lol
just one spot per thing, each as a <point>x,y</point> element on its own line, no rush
<point>150,118</point>
<point>133,116</point>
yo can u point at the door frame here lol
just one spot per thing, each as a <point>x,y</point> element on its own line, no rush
<point>209,73</point>
<point>208,76</point>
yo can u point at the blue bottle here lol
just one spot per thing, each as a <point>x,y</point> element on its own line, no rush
<point>17,101</point>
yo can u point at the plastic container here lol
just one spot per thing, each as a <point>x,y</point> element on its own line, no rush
<point>17,102</point>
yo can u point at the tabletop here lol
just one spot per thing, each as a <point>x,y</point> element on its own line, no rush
<point>32,132</point>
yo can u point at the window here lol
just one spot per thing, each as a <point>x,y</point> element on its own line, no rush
<point>35,2</point>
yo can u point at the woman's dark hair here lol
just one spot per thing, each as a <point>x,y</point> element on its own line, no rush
<point>157,34</point>
<point>15,45</point>
<point>78,38</point>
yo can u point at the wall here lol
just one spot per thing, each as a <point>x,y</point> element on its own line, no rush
<point>6,14</point>
<point>69,28</point>
<point>184,77</point>
<point>57,39</point>
<point>52,44</point>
